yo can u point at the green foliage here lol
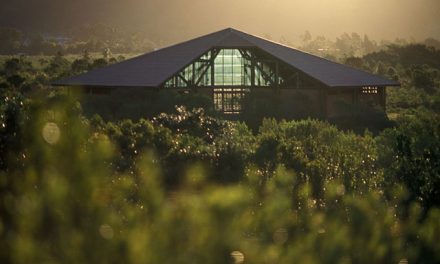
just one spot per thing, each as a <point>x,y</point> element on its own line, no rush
<point>307,192</point>
<point>94,38</point>
<point>11,40</point>
<point>49,198</point>
<point>319,153</point>
<point>407,55</point>
<point>410,154</point>
<point>179,140</point>
<point>19,74</point>
<point>424,78</point>
<point>12,117</point>
<point>194,123</point>
<point>32,75</point>
<point>346,45</point>
<point>132,138</point>
<point>65,203</point>
<point>85,63</point>
<point>416,67</point>
<point>58,66</point>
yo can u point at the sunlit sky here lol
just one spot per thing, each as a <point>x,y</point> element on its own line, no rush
<point>175,20</point>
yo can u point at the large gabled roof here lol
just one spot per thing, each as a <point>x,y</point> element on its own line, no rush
<point>153,69</point>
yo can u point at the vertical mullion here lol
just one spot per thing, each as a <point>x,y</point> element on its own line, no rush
<point>212,68</point>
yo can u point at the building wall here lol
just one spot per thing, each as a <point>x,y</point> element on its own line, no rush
<point>304,97</point>
<point>340,103</point>
<point>345,101</point>
<point>282,103</point>
<point>289,103</point>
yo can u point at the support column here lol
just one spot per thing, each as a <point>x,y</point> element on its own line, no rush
<point>323,101</point>
<point>383,98</point>
<point>212,68</point>
<point>277,79</point>
<point>356,99</point>
<point>252,70</point>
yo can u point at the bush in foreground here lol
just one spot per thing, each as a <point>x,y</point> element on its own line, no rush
<point>65,204</point>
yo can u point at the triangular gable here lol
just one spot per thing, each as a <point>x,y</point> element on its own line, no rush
<point>153,69</point>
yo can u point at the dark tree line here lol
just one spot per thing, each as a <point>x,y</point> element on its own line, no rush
<point>91,38</point>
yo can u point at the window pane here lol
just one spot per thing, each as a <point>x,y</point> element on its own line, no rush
<point>228,80</point>
<point>230,68</point>
<point>227,60</point>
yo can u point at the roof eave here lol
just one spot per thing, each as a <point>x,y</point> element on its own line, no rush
<point>102,86</point>
<point>365,85</point>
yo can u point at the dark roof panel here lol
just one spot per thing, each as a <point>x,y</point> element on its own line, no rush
<point>149,70</point>
<point>234,40</point>
<point>330,73</point>
<point>153,69</point>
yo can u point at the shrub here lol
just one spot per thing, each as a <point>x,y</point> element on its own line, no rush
<point>65,202</point>
<point>410,154</point>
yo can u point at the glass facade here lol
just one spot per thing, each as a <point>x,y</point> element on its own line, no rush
<point>232,67</point>
<point>230,72</point>
<point>196,72</point>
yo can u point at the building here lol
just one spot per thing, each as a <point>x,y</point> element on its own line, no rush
<point>229,65</point>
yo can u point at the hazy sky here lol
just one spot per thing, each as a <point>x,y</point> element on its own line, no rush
<point>181,19</point>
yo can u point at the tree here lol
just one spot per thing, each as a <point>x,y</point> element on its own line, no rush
<point>355,62</point>
<point>344,44</point>
<point>16,81</point>
<point>106,53</point>
<point>422,78</point>
<point>99,63</point>
<point>432,42</point>
<point>368,45</point>
<point>80,66</point>
<point>58,66</point>
<point>37,44</point>
<point>12,67</point>
<point>410,155</point>
<point>11,40</point>
<point>307,37</point>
